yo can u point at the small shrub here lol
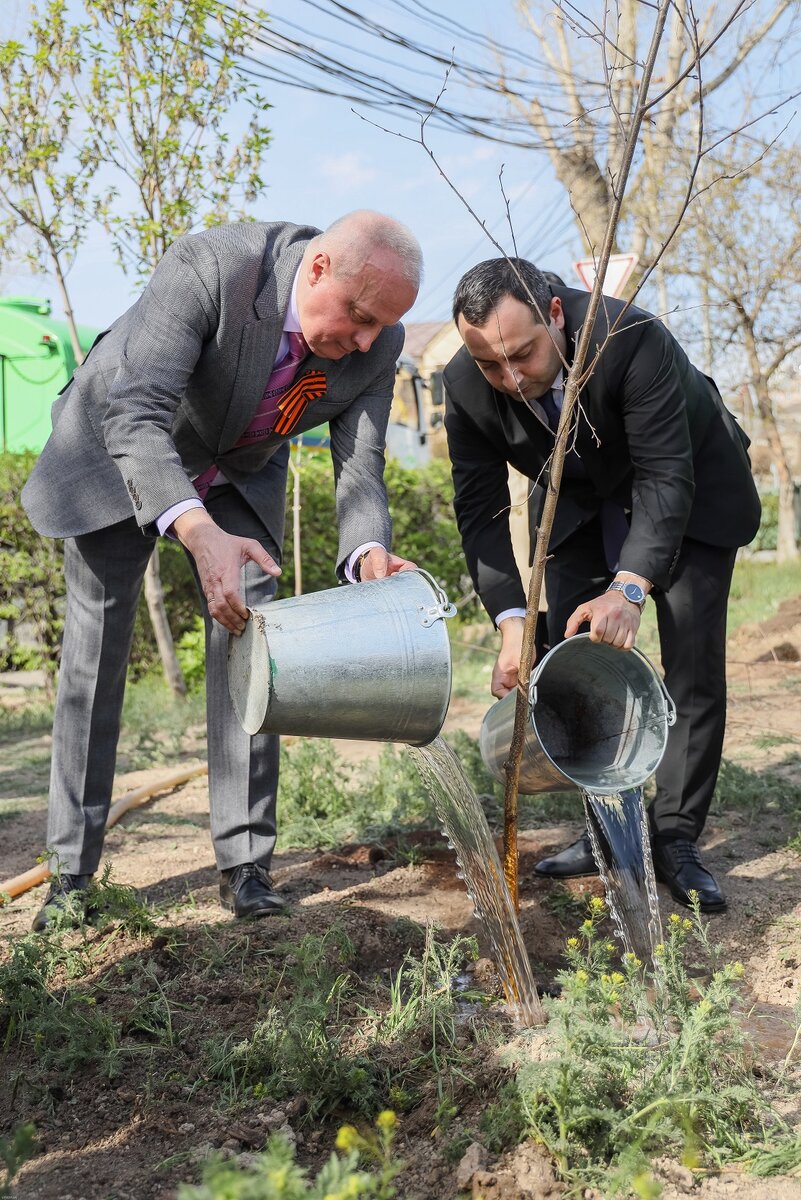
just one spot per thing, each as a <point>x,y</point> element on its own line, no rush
<point>13,1153</point>
<point>191,651</point>
<point>276,1176</point>
<point>644,1062</point>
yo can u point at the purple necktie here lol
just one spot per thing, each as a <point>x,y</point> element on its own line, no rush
<point>264,420</point>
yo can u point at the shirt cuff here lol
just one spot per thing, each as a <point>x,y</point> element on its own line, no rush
<point>351,563</point>
<point>166,519</point>
<point>509,612</point>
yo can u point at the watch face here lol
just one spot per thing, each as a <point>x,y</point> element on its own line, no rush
<point>634,593</point>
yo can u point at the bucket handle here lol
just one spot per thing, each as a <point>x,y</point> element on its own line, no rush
<point>669,702</point>
<point>442,608</point>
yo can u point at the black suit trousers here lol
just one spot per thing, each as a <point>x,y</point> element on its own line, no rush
<point>691,619</point>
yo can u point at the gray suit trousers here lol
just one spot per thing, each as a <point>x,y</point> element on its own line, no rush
<point>104,572</point>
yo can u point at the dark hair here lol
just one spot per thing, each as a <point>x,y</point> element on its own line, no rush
<point>480,289</point>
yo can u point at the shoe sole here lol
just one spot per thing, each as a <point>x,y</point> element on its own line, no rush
<point>274,911</point>
<point>565,874</point>
<point>683,899</point>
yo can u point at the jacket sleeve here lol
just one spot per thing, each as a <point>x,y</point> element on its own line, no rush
<point>657,431</point>
<point>358,439</point>
<point>173,318</point>
<point>482,501</point>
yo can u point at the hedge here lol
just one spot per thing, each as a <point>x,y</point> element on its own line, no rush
<point>32,587</point>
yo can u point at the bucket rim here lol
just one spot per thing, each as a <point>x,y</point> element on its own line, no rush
<point>667,701</point>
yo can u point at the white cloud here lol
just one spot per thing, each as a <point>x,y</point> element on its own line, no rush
<point>347,170</point>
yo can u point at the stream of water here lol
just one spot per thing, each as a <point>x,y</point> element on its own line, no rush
<point>468,833</point>
<point>618,829</point>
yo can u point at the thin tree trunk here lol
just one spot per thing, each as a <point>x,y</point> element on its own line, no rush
<point>296,507</point>
<point>787,531</point>
<point>154,594</point>
<point>786,538</point>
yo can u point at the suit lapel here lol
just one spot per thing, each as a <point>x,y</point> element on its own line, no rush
<point>259,344</point>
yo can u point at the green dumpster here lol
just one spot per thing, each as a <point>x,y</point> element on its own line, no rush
<point>36,360</point>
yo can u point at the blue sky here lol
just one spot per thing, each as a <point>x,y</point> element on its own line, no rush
<point>325,160</point>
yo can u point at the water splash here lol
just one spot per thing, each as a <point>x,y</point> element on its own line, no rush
<point>618,829</point>
<point>466,828</point>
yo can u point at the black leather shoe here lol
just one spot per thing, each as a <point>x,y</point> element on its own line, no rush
<point>56,900</point>
<point>247,891</point>
<point>575,859</point>
<point>677,863</point>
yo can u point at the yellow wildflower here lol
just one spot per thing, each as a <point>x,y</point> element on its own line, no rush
<point>572,943</point>
<point>348,1138</point>
<point>597,905</point>
<point>386,1120</point>
<point>687,924</point>
<point>675,919</point>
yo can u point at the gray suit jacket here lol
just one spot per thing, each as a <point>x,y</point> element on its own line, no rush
<point>176,380</point>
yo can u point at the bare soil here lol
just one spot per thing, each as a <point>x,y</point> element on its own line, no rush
<point>136,1136</point>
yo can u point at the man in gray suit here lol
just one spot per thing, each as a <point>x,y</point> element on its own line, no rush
<point>178,423</point>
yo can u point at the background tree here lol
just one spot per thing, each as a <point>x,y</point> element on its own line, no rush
<point>46,166</point>
<point>546,90</point>
<point>741,248</point>
<point>143,91</point>
<point>162,84</point>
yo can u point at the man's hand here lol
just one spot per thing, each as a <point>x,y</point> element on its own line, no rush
<point>379,563</point>
<point>613,619</point>
<point>507,667</point>
<point>219,557</point>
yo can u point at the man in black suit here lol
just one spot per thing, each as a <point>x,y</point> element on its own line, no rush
<point>656,496</point>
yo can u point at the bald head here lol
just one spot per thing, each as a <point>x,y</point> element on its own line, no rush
<point>357,277</point>
<point>359,236</point>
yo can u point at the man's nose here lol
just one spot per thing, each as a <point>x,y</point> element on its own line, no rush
<point>364,338</point>
<point>512,377</point>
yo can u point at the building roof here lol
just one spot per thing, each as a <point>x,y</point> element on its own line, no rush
<point>418,335</point>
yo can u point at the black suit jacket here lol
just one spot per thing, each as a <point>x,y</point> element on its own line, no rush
<point>653,434</point>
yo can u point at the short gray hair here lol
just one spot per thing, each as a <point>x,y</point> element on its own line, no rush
<point>354,236</point>
<point>481,288</point>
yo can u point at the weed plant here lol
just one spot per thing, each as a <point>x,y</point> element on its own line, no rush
<point>758,792</point>
<point>13,1153</point>
<point>276,1175</point>
<point>41,1006</point>
<point>299,1047</point>
<point>645,1062</point>
<point>319,1041</point>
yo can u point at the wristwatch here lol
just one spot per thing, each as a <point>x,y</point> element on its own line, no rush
<point>632,591</point>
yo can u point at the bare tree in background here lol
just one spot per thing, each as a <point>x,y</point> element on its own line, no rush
<point>741,244</point>
<point>549,91</point>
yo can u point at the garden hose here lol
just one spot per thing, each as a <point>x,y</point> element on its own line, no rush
<point>29,879</point>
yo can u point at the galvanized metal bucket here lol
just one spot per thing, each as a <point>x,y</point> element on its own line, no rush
<point>369,661</point>
<point>598,720</point>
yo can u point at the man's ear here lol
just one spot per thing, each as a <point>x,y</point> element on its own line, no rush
<point>556,312</point>
<point>318,267</point>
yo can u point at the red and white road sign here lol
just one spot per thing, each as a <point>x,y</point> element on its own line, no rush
<point>617,272</point>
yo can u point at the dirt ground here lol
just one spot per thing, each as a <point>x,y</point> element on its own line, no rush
<point>102,1141</point>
